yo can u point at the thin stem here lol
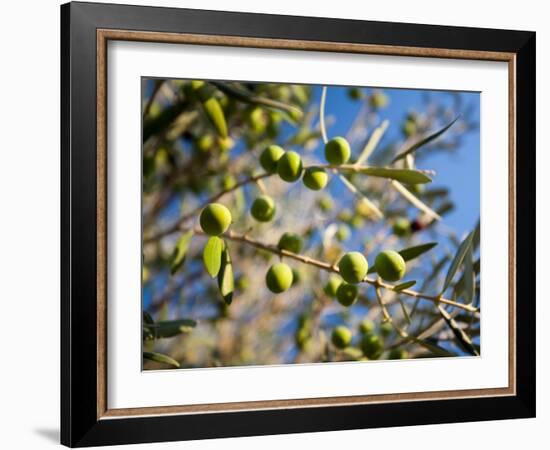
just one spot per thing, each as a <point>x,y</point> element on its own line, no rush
<point>186,217</point>
<point>254,179</point>
<point>231,235</point>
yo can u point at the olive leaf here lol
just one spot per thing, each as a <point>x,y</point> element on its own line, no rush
<point>424,141</point>
<point>216,115</point>
<point>242,94</point>
<point>226,281</point>
<point>462,338</point>
<point>180,250</point>
<point>414,252</point>
<point>407,176</point>
<point>212,255</point>
<point>410,253</point>
<point>169,328</point>
<point>469,277</point>
<point>159,357</point>
<point>405,285</point>
<point>457,261</point>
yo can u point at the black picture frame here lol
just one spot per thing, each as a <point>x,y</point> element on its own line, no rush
<point>80,425</point>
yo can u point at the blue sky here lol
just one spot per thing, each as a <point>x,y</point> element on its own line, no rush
<point>459,170</point>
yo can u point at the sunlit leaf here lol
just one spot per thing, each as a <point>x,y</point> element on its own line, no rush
<point>457,261</point>
<point>180,250</point>
<point>226,281</point>
<point>423,142</point>
<point>212,255</point>
<point>407,176</point>
<point>414,200</point>
<point>160,358</point>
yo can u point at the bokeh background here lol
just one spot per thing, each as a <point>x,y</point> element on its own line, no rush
<point>185,163</point>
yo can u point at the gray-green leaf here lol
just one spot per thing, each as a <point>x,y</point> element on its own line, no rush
<point>407,176</point>
<point>226,281</point>
<point>405,285</point>
<point>159,357</point>
<point>180,250</point>
<point>212,255</point>
<point>457,261</point>
<point>170,328</point>
<point>423,142</point>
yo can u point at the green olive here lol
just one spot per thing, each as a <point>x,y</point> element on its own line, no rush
<point>290,242</point>
<point>204,143</point>
<point>289,166</point>
<point>302,338</point>
<point>315,178</point>
<point>330,289</point>
<point>346,294</point>
<point>353,267</point>
<point>341,337</point>
<point>325,203</point>
<point>269,158</point>
<point>372,346</point>
<point>215,219</point>
<point>408,128</point>
<point>343,233</point>
<point>390,265</point>
<point>401,227</point>
<point>257,120</point>
<point>278,278</point>
<point>355,93</point>
<point>337,151</point>
<point>386,329</point>
<point>366,326</point>
<point>296,276</point>
<point>378,100</point>
<point>263,208</point>
<point>398,353</point>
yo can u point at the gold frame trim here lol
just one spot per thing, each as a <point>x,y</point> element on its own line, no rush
<point>103,36</point>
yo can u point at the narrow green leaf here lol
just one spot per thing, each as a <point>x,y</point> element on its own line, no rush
<point>410,253</point>
<point>457,261</point>
<point>159,357</point>
<point>216,115</point>
<point>405,285</point>
<point>414,252</point>
<point>469,277</point>
<point>226,281</point>
<point>180,250</point>
<point>423,142</point>
<point>170,328</point>
<point>212,255</point>
<point>147,319</point>
<point>462,338</point>
<point>407,176</point>
<point>242,94</point>
<point>434,348</point>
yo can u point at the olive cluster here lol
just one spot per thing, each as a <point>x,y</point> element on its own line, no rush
<point>288,165</point>
<point>370,342</point>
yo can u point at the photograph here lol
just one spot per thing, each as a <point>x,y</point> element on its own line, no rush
<point>295,224</point>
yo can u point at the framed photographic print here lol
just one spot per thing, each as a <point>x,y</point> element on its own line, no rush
<point>276,224</point>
